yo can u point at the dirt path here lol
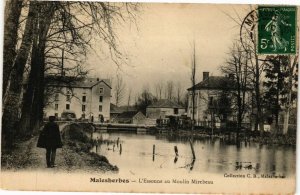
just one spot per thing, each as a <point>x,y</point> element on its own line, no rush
<point>27,157</point>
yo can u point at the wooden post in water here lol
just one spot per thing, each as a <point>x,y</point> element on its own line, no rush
<point>153,156</point>
<point>113,147</point>
<point>120,149</point>
<point>193,151</point>
<point>176,150</point>
<point>118,142</point>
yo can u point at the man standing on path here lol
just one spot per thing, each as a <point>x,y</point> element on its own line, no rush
<point>51,140</point>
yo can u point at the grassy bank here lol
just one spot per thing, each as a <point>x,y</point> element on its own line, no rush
<point>74,156</point>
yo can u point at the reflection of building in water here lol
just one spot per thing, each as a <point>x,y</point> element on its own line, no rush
<point>88,99</point>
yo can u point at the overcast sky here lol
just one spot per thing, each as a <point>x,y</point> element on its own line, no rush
<point>159,47</point>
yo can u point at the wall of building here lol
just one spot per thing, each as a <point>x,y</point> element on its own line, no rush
<point>139,118</point>
<point>94,107</point>
<point>202,116</point>
<point>156,113</point>
<point>76,102</point>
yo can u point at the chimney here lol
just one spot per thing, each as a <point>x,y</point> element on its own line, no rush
<point>205,75</point>
<point>97,79</point>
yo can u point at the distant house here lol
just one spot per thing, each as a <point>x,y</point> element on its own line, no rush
<point>163,108</point>
<point>85,99</point>
<point>130,117</point>
<point>206,94</point>
<point>114,112</point>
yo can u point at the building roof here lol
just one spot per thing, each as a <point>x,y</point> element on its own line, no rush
<point>120,109</point>
<point>75,82</point>
<point>115,109</point>
<point>91,82</point>
<point>165,103</point>
<point>128,114</point>
<point>215,82</point>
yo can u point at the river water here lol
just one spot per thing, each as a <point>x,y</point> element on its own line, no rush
<point>134,154</point>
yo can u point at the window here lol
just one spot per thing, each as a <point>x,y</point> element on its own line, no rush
<point>210,102</point>
<point>56,115</point>
<point>68,97</point>
<point>100,98</point>
<point>84,98</point>
<point>56,97</point>
<point>83,108</point>
<point>100,108</point>
<point>68,106</point>
<point>175,110</point>
<point>101,90</point>
<point>83,116</point>
<point>56,106</point>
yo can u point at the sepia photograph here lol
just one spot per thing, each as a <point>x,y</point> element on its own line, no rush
<point>147,97</point>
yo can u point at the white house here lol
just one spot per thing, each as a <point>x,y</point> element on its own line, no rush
<point>86,99</point>
<point>206,94</point>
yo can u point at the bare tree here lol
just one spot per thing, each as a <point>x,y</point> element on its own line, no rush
<point>144,100</point>
<point>60,25</point>
<point>169,90</point>
<point>193,82</point>
<point>13,10</point>
<point>119,90</point>
<point>129,98</point>
<point>178,92</point>
<point>159,87</point>
<point>289,89</point>
<point>248,41</point>
<point>12,97</point>
<point>237,65</point>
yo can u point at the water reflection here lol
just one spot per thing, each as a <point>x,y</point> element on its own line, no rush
<point>213,155</point>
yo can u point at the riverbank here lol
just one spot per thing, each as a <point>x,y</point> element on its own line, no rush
<point>74,156</point>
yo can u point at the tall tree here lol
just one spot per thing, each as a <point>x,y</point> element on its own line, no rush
<point>237,67</point>
<point>119,90</point>
<point>159,87</point>
<point>13,10</point>
<point>12,100</point>
<point>248,32</point>
<point>144,100</point>
<point>58,25</point>
<point>129,98</point>
<point>291,69</point>
<point>169,90</point>
<point>193,82</point>
<point>274,86</point>
<point>178,92</point>
<point>222,106</point>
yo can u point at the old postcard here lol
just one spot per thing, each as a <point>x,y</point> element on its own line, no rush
<point>149,97</point>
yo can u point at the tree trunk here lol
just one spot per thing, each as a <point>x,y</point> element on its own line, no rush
<point>259,120</point>
<point>286,120</point>
<point>12,12</point>
<point>12,99</point>
<point>39,62</point>
<point>34,95</point>
<point>289,96</point>
<point>28,95</point>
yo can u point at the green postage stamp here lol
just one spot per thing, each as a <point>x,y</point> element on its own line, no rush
<point>277,29</point>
